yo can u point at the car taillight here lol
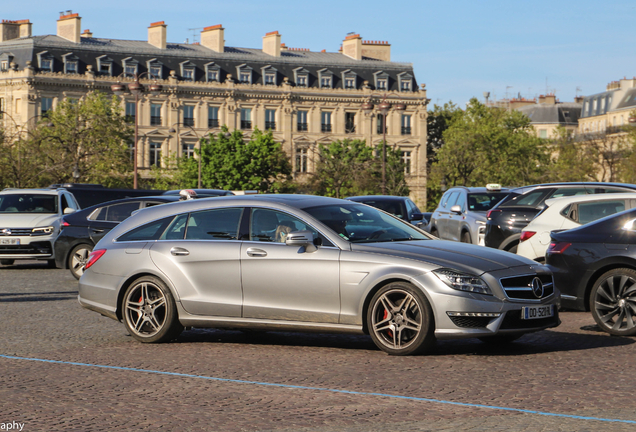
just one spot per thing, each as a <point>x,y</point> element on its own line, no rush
<point>525,235</point>
<point>558,247</point>
<point>490,212</point>
<point>65,224</point>
<point>93,257</point>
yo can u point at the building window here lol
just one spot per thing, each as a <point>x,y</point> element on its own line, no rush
<point>213,117</point>
<point>350,83</point>
<point>187,150</point>
<point>301,81</point>
<point>270,119</point>
<point>131,112</point>
<point>270,78</point>
<point>4,65</point>
<point>155,154</point>
<point>245,78</point>
<point>301,159</point>
<point>188,115</point>
<point>71,67</point>
<point>130,70</point>
<point>301,121</point>
<point>406,124</point>
<point>382,83</point>
<point>188,74</point>
<point>213,75</point>
<point>325,121</point>
<point>46,65</point>
<point>246,118</point>
<point>46,105</point>
<point>406,85</point>
<point>350,122</point>
<point>380,129</point>
<point>155,114</point>
<point>406,158</point>
<point>155,72</point>
<point>325,82</point>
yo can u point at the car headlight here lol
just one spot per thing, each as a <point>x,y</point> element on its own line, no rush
<point>462,281</point>
<point>40,231</point>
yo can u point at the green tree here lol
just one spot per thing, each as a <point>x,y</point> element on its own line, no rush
<point>346,167</point>
<point>84,140</point>
<point>230,162</point>
<point>572,160</point>
<point>395,179</point>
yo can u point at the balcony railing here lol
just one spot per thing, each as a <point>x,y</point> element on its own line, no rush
<point>325,128</point>
<point>188,121</point>
<point>406,130</point>
<point>350,128</point>
<point>246,124</point>
<point>302,127</point>
<point>155,120</point>
<point>213,123</point>
<point>270,125</point>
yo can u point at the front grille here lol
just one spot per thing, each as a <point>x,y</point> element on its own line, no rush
<point>470,322</point>
<point>520,287</point>
<point>513,321</point>
<point>15,232</point>
<point>35,248</point>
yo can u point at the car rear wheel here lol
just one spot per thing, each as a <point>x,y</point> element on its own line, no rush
<point>466,237</point>
<point>150,313</point>
<point>613,302</point>
<point>400,320</point>
<point>78,258</point>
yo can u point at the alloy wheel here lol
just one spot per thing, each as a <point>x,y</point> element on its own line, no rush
<point>145,309</point>
<point>613,302</point>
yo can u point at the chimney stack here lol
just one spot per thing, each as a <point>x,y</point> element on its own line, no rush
<point>87,34</point>
<point>352,46</point>
<point>271,44</point>
<point>14,29</point>
<point>68,26</point>
<point>157,34</point>
<point>212,38</point>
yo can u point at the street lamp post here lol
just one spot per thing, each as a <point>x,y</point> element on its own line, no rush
<point>384,108</point>
<point>136,88</point>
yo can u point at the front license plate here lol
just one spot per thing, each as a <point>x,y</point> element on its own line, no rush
<point>9,241</point>
<point>537,312</point>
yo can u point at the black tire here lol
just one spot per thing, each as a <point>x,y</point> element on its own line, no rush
<point>513,249</point>
<point>613,302</point>
<point>7,262</point>
<point>466,237</point>
<point>500,339</point>
<point>400,320</point>
<point>149,311</point>
<point>78,258</point>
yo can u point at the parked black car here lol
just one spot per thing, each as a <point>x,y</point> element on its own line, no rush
<point>594,266</point>
<point>83,229</point>
<point>399,206</point>
<point>89,194</point>
<point>506,220</point>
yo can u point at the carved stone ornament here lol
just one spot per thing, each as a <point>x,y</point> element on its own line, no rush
<point>32,97</point>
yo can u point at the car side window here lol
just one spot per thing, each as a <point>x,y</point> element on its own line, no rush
<point>461,201</point>
<point>273,226</point>
<point>591,211</point>
<point>532,199</point>
<point>217,224</point>
<point>148,232</point>
<point>450,200</point>
<point>565,192</point>
<point>64,202</point>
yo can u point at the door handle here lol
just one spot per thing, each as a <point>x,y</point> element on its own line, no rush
<point>253,252</point>
<point>177,251</point>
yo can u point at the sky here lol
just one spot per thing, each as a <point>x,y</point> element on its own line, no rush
<point>459,48</point>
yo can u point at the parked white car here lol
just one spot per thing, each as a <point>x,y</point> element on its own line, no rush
<point>567,213</point>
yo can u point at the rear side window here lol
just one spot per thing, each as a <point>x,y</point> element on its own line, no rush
<point>566,192</point>
<point>219,224</point>
<point>531,199</point>
<point>148,232</point>
<point>589,212</point>
<point>116,212</point>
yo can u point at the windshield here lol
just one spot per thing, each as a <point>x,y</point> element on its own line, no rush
<point>362,224</point>
<point>28,203</point>
<point>484,201</point>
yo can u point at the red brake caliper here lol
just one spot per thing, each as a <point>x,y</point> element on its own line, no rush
<point>386,314</point>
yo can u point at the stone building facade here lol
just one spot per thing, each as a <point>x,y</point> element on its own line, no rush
<point>306,98</point>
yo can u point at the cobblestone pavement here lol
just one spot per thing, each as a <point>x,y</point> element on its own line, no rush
<point>574,371</point>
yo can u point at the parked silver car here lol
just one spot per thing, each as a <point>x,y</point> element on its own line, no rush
<point>307,263</point>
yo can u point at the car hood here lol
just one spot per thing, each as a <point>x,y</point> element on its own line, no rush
<point>26,220</point>
<point>461,256</point>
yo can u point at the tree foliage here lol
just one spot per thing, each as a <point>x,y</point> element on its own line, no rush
<point>572,160</point>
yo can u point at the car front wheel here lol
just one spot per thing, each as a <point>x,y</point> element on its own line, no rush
<point>613,302</point>
<point>149,311</point>
<point>78,258</point>
<point>400,319</point>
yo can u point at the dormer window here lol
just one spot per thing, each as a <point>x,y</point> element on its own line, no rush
<point>155,69</point>
<point>325,78</point>
<point>381,80</point>
<point>130,67</point>
<point>4,65</point>
<point>104,65</point>
<point>45,61</point>
<point>70,63</point>
<point>187,70</point>
<point>349,79</point>
<point>269,75</point>
<point>382,84</point>
<point>301,77</point>
<point>405,81</point>
<point>212,72</point>
<point>244,73</point>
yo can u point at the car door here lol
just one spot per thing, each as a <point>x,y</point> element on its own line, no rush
<point>455,221</point>
<point>283,282</point>
<point>106,218</point>
<point>200,254</point>
<point>444,214</point>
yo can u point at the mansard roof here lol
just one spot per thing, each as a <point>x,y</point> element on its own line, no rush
<point>560,113</point>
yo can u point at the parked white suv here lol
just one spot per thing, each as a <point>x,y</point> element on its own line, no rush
<point>30,222</point>
<point>567,213</point>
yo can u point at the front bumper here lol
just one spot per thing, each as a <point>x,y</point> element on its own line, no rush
<point>38,249</point>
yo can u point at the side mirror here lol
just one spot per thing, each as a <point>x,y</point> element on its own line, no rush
<point>417,216</point>
<point>456,209</point>
<point>301,238</point>
<point>68,210</point>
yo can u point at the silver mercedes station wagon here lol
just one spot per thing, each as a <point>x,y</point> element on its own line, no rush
<point>308,263</point>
